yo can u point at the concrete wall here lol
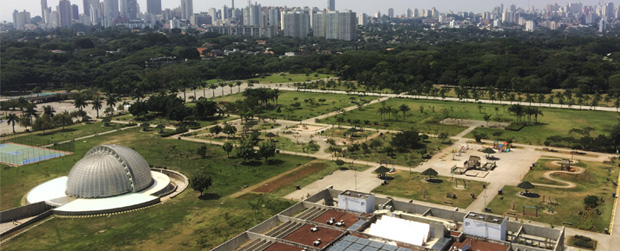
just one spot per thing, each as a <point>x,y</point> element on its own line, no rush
<point>360,205</point>
<point>294,209</point>
<point>24,212</point>
<point>28,223</point>
<point>265,225</point>
<point>233,243</point>
<point>543,232</point>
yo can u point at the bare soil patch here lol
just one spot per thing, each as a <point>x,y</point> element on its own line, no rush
<point>290,178</point>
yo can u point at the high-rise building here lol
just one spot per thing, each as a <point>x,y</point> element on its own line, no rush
<point>409,13</point>
<point>64,12</point>
<point>296,23</point>
<point>252,15</point>
<point>347,26</point>
<point>153,7</point>
<point>129,9</point>
<point>530,26</point>
<point>43,8</point>
<point>602,25</point>
<point>187,8</point>
<point>391,13</point>
<point>20,19</point>
<point>318,24</point>
<point>86,7</point>
<point>331,4</point>
<point>331,25</point>
<point>362,19</point>
<point>75,12</point>
<point>111,11</point>
<point>608,10</point>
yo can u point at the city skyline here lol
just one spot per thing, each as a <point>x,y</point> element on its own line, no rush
<point>400,7</point>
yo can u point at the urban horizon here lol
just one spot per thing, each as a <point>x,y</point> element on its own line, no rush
<point>400,8</point>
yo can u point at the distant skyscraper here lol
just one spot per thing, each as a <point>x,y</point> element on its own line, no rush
<point>129,9</point>
<point>111,9</point>
<point>530,26</point>
<point>64,10</point>
<point>347,26</point>
<point>409,13</point>
<point>602,25</point>
<point>609,10</point>
<point>233,5</point>
<point>86,7</point>
<point>21,19</point>
<point>153,7</point>
<point>75,12</point>
<point>187,9</point>
<point>391,12</point>
<point>43,8</point>
<point>296,23</point>
<point>331,4</point>
<point>331,25</point>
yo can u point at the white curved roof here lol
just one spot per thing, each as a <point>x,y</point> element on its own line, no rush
<point>108,170</point>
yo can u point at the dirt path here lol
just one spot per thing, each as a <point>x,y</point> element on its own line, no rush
<point>568,184</point>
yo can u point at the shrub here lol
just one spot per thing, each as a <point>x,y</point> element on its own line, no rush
<point>590,201</point>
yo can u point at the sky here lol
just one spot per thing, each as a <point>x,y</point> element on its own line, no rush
<point>364,6</point>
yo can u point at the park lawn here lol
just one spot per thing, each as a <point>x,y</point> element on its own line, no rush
<point>291,77</point>
<point>543,165</point>
<point>156,120</point>
<point>184,222</point>
<point>412,186</point>
<point>593,182</point>
<point>229,175</point>
<point>555,122</point>
<point>412,158</point>
<point>426,121</point>
<point>282,143</point>
<point>332,103</point>
<point>58,135</point>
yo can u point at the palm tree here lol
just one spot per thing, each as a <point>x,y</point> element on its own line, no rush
<point>213,87</point>
<point>12,119</point>
<point>381,111</point>
<point>31,111</point>
<point>222,84</point>
<point>404,109</point>
<point>230,85</point>
<point>111,101</point>
<point>79,101</point>
<point>536,113</point>
<point>238,84</point>
<point>49,110</point>
<point>97,105</point>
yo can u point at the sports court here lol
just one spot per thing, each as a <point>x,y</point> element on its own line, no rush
<point>17,154</point>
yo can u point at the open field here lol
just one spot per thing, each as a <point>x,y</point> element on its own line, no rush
<point>413,186</point>
<point>153,120</point>
<point>57,135</point>
<point>291,77</point>
<point>306,109</point>
<point>555,122</point>
<point>570,201</point>
<point>184,221</point>
<point>425,121</point>
<point>543,165</point>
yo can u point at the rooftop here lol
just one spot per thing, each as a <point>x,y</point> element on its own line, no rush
<point>485,217</point>
<point>356,194</point>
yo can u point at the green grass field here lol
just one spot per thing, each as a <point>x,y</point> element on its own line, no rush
<point>70,132</point>
<point>306,110</point>
<point>412,186</point>
<point>555,122</point>
<point>593,182</point>
<point>426,121</point>
<point>291,77</point>
<point>543,165</point>
<point>184,221</point>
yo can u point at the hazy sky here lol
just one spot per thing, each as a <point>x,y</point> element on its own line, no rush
<point>369,7</point>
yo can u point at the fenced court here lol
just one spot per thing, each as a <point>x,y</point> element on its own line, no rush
<point>17,155</point>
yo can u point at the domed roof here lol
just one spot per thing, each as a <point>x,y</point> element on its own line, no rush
<point>108,170</point>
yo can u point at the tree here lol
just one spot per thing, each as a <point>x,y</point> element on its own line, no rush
<point>517,110</point>
<point>222,84</point>
<point>63,119</point>
<point>229,129</point>
<point>486,118</point>
<point>111,101</point>
<point>12,119</point>
<point>404,109</point>
<point>215,130</point>
<point>443,136</point>
<point>382,170</point>
<point>406,141</point>
<point>201,183</point>
<point>145,126</point>
<point>228,147</point>
<point>160,128</point>
<point>590,201</point>
<point>339,163</point>
<point>97,105</point>
<point>267,150</point>
<point>430,172</point>
<point>202,151</point>
<point>49,111</point>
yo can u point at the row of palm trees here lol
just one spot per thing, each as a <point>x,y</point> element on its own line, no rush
<point>386,109</point>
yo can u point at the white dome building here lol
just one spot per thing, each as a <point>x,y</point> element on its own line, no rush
<point>109,170</point>
<point>109,178</point>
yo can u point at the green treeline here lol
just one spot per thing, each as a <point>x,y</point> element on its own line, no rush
<point>115,60</point>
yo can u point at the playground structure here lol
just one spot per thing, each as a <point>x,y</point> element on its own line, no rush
<point>565,165</point>
<point>474,163</point>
